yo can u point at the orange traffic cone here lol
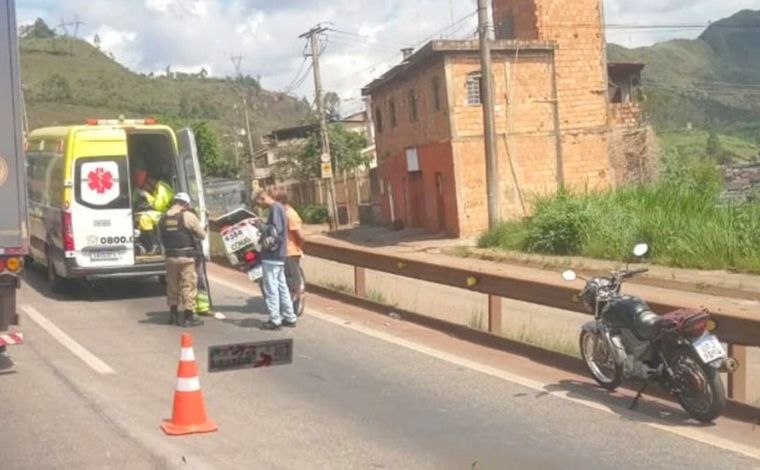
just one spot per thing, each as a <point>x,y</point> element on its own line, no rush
<point>189,414</point>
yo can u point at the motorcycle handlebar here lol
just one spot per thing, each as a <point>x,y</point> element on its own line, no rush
<point>629,274</point>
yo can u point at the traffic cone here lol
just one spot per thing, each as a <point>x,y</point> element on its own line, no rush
<point>189,413</point>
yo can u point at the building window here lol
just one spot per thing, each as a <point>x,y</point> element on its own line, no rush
<point>436,89</point>
<point>392,111</point>
<point>413,114</point>
<point>505,29</point>
<point>378,120</point>
<point>473,89</point>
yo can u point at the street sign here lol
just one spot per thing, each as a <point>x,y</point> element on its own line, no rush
<point>327,170</point>
<point>325,158</point>
<point>250,355</point>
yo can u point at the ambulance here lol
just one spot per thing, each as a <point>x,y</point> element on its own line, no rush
<point>80,186</point>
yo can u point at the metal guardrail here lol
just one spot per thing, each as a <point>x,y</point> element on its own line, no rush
<point>735,326</point>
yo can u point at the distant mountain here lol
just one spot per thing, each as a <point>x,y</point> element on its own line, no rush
<point>67,80</point>
<point>711,81</point>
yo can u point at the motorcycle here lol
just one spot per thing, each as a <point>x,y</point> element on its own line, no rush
<point>241,234</point>
<point>626,340</point>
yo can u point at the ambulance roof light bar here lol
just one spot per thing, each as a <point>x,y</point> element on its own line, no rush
<point>115,122</point>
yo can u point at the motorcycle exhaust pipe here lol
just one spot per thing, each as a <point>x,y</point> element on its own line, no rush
<point>729,365</point>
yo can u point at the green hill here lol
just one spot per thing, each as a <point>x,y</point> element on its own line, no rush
<point>67,81</point>
<point>712,81</point>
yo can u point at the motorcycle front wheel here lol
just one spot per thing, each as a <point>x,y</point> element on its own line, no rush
<point>600,360</point>
<point>699,387</point>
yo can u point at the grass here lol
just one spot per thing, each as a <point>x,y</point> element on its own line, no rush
<point>546,341</point>
<point>694,142</point>
<point>684,225</point>
<point>477,320</point>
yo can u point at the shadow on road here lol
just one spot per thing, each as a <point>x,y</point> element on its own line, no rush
<point>96,291</point>
<point>647,410</point>
<point>6,365</point>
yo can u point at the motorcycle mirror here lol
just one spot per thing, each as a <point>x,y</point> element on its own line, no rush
<point>569,275</point>
<point>640,250</point>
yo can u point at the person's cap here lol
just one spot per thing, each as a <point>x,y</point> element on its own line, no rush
<point>182,197</point>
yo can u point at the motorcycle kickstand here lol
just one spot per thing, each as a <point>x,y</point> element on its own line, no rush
<point>638,395</point>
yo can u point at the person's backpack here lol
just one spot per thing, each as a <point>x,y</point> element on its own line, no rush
<point>270,240</point>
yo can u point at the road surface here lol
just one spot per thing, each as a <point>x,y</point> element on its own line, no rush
<point>96,377</point>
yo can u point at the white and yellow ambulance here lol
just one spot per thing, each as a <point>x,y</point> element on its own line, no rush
<point>79,178</point>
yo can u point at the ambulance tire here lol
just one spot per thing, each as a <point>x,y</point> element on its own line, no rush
<point>57,284</point>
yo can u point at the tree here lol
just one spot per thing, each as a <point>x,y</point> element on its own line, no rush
<point>96,41</point>
<point>203,73</point>
<point>37,30</point>
<point>716,151</point>
<point>212,162</point>
<point>301,160</point>
<point>56,88</point>
<point>332,105</point>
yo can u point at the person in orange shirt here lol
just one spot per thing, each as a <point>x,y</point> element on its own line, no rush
<point>296,239</point>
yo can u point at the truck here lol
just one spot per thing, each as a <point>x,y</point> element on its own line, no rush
<point>14,235</point>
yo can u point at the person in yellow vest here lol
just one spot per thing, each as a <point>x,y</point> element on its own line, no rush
<point>151,199</point>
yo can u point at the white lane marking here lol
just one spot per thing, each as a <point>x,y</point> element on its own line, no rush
<point>67,341</point>
<point>689,433</point>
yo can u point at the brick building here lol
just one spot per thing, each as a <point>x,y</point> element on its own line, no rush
<point>553,123</point>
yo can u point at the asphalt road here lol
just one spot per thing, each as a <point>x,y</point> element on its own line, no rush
<point>349,401</point>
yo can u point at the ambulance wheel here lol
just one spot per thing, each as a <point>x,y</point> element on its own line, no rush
<point>162,279</point>
<point>57,283</point>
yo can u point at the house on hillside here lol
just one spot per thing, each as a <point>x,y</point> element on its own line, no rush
<point>556,106</point>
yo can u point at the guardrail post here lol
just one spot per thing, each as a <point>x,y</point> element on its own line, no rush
<point>360,281</point>
<point>737,382</point>
<point>494,314</point>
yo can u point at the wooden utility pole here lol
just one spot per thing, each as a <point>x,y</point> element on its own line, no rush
<point>252,161</point>
<point>486,91</point>
<point>332,208</point>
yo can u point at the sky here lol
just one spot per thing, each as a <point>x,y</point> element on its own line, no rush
<point>148,35</point>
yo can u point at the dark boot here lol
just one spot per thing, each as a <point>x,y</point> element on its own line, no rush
<point>173,315</point>
<point>190,320</point>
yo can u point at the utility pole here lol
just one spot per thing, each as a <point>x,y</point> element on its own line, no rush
<point>252,161</point>
<point>486,90</point>
<point>332,208</point>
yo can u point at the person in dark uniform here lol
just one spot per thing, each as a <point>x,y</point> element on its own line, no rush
<point>180,230</point>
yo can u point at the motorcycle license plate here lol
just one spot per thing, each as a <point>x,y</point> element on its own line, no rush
<point>255,274</point>
<point>709,348</point>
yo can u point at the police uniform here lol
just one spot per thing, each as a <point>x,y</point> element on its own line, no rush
<point>180,229</point>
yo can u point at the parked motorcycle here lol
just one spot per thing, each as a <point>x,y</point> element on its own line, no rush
<point>241,235</point>
<point>627,340</point>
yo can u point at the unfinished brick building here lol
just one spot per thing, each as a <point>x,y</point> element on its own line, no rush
<point>552,117</point>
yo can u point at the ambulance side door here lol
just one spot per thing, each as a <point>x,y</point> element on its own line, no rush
<point>190,178</point>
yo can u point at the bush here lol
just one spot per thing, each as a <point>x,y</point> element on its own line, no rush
<point>684,223</point>
<point>313,214</point>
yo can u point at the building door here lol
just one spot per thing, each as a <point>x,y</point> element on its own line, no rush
<point>439,197</point>
<point>416,199</point>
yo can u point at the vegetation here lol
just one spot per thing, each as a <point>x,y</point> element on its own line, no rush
<point>711,82</point>
<point>313,214</point>
<point>302,160</point>
<point>67,80</point>
<point>680,217</point>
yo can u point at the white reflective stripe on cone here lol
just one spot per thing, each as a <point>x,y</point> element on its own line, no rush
<point>186,354</point>
<point>188,385</point>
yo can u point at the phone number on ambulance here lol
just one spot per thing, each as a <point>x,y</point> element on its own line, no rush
<point>115,240</point>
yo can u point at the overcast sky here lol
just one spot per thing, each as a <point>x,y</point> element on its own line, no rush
<point>148,35</point>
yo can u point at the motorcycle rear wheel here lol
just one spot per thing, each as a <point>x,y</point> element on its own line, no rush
<point>594,349</point>
<point>702,394</point>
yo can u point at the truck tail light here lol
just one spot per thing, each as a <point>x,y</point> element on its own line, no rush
<point>68,231</point>
<point>14,264</point>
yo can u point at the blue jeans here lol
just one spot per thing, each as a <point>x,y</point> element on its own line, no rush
<point>276,292</point>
